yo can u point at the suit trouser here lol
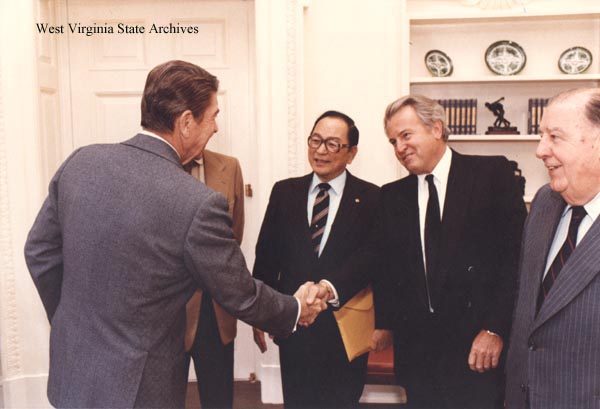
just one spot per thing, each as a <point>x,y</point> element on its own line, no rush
<point>315,372</point>
<point>213,361</point>
<point>433,369</point>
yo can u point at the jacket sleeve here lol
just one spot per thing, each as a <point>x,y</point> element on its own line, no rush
<point>43,248</point>
<point>267,264</point>
<point>216,261</point>
<point>508,218</point>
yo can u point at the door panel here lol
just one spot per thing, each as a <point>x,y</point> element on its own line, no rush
<point>108,72</point>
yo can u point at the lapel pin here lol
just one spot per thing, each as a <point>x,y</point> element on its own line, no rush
<point>357,200</point>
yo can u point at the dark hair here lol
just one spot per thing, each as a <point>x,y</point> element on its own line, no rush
<point>172,88</point>
<point>352,129</point>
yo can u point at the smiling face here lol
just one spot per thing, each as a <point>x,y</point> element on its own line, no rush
<point>569,148</point>
<point>325,164</point>
<point>418,147</point>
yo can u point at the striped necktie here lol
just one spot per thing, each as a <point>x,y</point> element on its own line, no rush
<point>577,215</point>
<point>319,216</point>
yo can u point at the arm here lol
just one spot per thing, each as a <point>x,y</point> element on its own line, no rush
<point>43,249</point>
<point>508,218</point>
<point>210,247</point>
<point>267,263</point>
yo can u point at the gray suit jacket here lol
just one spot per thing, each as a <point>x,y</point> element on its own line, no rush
<point>554,357</point>
<point>120,244</point>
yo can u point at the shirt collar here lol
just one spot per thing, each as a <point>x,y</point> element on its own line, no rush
<point>442,169</point>
<point>592,208</point>
<point>152,134</point>
<point>337,184</point>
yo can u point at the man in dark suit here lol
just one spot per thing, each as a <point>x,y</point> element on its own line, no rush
<point>122,241</point>
<point>554,354</point>
<point>210,330</point>
<point>296,244</point>
<point>446,244</point>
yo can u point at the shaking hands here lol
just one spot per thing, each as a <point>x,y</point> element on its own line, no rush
<point>313,299</point>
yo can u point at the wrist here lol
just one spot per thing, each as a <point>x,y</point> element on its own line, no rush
<point>329,292</point>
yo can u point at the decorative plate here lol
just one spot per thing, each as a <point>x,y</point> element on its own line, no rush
<point>575,60</point>
<point>438,63</point>
<point>505,58</point>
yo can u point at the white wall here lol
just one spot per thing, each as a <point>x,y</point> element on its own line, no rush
<point>23,323</point>
<point>351,64</point>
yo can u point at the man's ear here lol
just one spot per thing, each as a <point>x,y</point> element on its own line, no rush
<point>184,121</point>
<point>353,152</point>
<point>437,129</point>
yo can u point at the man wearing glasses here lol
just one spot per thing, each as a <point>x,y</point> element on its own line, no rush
<point>312,224</point>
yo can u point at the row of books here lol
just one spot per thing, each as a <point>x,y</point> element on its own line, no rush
<point>535,109</point>
<point>461,115</point>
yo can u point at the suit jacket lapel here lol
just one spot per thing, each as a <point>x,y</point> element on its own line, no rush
<point>458,192</point>
<point>345,216</point>
<point>214,172</point>
<point>298,212</point>
<point>406,215</point>
<point>580,269</point>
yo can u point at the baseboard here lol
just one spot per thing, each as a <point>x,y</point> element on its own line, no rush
<point>383,394</point>
<point>25,392</point>
<point>270,384</point>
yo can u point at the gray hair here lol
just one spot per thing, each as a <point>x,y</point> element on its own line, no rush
<point>428,111</point>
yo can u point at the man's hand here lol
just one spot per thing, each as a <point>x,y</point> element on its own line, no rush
<point>259,339</point>
<point>381,339</point>
<point>485,351</point>
<point>312,302</point>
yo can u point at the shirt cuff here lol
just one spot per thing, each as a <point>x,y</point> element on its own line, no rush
<point>297,316</point>
<point>335,301</point>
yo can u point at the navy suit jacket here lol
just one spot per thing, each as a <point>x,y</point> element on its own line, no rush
<point>474,287</point>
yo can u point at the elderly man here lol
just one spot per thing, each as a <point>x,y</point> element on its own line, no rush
<point>122,241</point>
<point>312,225</point>
<point>554,355</point>
<point>446,245</point>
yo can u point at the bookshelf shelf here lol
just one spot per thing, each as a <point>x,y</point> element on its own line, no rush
<point>495,138</point>
<point>544,29</point>
<point>510,79</point>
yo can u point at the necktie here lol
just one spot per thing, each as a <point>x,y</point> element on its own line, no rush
<point>189,166</point>
<point>577,215</point>
<point>433,228</point>
<point>319,216</point>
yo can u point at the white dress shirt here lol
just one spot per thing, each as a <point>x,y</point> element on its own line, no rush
<point>592,209</point>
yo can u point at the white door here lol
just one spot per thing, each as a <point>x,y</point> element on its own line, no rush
<point>108,73</point>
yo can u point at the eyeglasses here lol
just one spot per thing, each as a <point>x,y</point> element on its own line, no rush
<point>331,144</point>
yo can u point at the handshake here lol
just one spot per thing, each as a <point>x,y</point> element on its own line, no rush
<point>313,299</point>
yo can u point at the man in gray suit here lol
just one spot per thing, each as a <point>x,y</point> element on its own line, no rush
<point>554,353</point>
<point>122,241</point>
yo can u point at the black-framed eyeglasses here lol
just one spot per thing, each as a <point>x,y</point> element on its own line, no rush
<point>331,144</point>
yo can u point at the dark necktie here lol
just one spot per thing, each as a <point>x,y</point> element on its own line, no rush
<point>189,166</point>
<point>433,229</point>
<point>577,215</point>
<point>319,216</point>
